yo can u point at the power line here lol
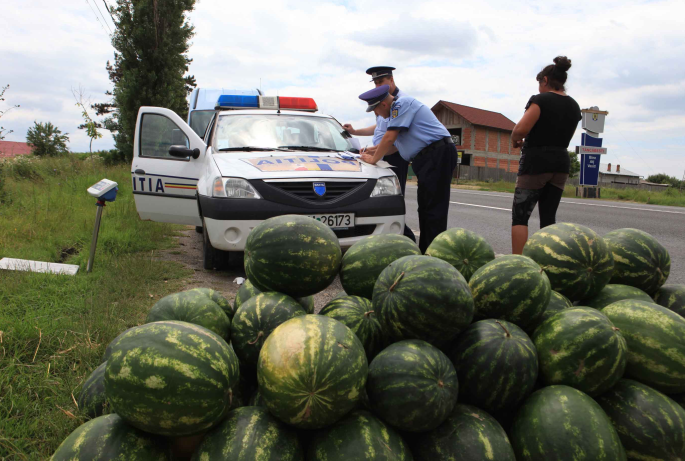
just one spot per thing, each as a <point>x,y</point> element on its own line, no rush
<point>98,19</point>
<point>103,17</point>
<point>110,12</point>
<point>634,151</point>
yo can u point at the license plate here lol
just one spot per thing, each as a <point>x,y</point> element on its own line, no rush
<point>335,221</point>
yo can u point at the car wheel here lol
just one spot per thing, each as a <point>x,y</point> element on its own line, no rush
<point>211,257</point>
<point>198,229</point>
<point>236,259</point>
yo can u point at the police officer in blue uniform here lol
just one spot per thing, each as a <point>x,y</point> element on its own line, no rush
<point>422,140</point>
<point>382,75</point>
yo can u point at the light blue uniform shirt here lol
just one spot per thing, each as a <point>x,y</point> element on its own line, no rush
<point>417,124</point>
<point>382,124</point>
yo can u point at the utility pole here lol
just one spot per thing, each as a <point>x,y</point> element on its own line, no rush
<point>681,182</point>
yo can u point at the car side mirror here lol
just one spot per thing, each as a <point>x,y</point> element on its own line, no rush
<point>184,152</point>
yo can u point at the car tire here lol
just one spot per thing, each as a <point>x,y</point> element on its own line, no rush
<point>236,260</point>
<point>211,257</point>
<point>198,229</point>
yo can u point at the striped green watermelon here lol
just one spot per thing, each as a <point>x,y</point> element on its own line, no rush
<point>256,319</point>
<point>358,436</point>
<point>311,371</point>
<point>218,298</point>
<point>192,307</point>
<point>615,292</point>
<point>250,433</point>
<point>639,259</point>
<point>512,288</point>
<point>560,423</point>
<point>557,303</point>
<point>292,254</point>
<point>496,363</point>
<point>339,294</point>
<point>109,438</point>
<point>577,261</point>
<point>581,348</point>
<point>247,291</point>
<point>651,426</point>
<point>170,378</point>
<point>92,400</point>
<point>468,434</point>
<point>412,385</point>
<point>366,259</point>
<point>307,303</point>
<point>671,297</point>
<point>463,249</point>
<point>656,343</point>
<point>358,315</point>
<point>257,400</point>
<point>420,297</point>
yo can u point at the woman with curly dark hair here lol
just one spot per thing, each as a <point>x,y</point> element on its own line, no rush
<point>544,133</point>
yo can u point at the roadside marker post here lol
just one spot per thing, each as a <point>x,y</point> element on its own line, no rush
<point>590,151</point>
<point>105,191</point>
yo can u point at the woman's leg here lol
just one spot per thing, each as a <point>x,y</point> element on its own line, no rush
<point>524,203</point>
<point>550,197</point>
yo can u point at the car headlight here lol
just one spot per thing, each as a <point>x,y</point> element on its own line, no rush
<point>233,188</point>
<point>387,185</point>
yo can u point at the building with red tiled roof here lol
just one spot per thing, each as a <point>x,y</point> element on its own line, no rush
<point>483,136</point>
<point>9,149</point>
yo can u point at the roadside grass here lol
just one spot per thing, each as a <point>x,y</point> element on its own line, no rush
<point>54,328</point>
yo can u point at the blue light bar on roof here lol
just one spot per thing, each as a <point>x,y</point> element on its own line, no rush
<point>235,100</point>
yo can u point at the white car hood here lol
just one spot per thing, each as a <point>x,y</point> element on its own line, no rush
<point>234,164</point>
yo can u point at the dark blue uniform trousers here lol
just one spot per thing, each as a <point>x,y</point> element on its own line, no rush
<point>401,169</point>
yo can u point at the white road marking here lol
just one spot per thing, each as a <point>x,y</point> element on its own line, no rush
<point>482,206</point>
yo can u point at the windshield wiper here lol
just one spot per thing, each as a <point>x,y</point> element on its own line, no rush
<point>250,148</point>
<point>310,148</point>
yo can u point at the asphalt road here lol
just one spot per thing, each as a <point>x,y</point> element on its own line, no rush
<point>489,214</point>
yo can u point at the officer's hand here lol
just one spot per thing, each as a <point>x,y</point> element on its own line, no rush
<point>349,128</point>
<point>517,144</point>
<point>371,150</point>
<point>368,159</point>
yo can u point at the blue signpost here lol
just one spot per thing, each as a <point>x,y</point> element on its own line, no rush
<point>590,150</point>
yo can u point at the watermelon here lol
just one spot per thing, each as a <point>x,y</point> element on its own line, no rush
<point>307,303</point>
<point>412,385</point>
<point>468,434</point>
<point>311,371</point>
<point>192,307</point>
<point>292,254</point>
<point>364,261</point>
<point>218,298</point>
<point>92,401</point>
<point>247,291</point>
<point>562,423</point>
<point>512,288</point>
<point>256,400</point>
<point>581,348</point>
<point>357,314</point>
<point>250,433</point>
<point>639,259</point>
<point>109,438</point>
<point>171,378</point>
<point>463,249</point>
<point>615,292</point>
<point>496,363</point>
<point>256,319</point>
<point>339,294</point>
<point>651,426</point>
<point>671,297</point>
<point>656,343</point>
<point>557,303</point>
<point>420,297</point>
<point>577,261</point>
<point>358,436</point>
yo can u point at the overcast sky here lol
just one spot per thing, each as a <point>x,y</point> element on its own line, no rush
<point>628,58</point>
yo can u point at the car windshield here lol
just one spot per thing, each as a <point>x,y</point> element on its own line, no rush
<point>271,131</point>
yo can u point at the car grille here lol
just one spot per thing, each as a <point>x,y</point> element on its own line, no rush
<point>305,189</point>
<point>357,231</point>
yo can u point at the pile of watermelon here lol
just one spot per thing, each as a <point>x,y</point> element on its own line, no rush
<point>573,351</point>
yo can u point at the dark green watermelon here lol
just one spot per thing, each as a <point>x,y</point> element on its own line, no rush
<point>256,319</point>
<point>496,363</point>
<point>256,400</point>
<point>651,426</point>
<point>513,288</point>
<point>311,371</point>
<point>250,433</point>
<point>108,349</point>
<point>171,378</point>
<point>656,343</point>
<point>109,438</point>
<point>412,385</point>
<point>92,400</point>
<point>307,303</point>
<point>671,297</point>
<point>639,259</point>
<point>581,348</point>
<point>577,261</point>
<point>560,423</point>
<point>358,436</point>
<point>247,291</point>
<point>364,261</point>
<point>420,297</point>
<point>358,315</point>
<point>292,254</point>
<point>463,249</point>
<point>557,303</point>
<point>218,298</point>
<point>615,292</point>
<point>468,434</point>
<point>192,307</point>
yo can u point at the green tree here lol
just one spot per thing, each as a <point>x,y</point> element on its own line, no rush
<point>663,178</point>
<point>47,140</point>
<point>3,130</point>
<point>575,163</point>
<point>88,124</point>
<point>150,62</point>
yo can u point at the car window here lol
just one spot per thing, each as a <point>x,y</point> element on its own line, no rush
<point>199,119</point>
<point>158,134</point>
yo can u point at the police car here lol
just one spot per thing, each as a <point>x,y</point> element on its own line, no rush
<point>259,157</point>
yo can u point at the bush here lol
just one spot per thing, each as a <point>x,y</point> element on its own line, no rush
<point>47,140</point>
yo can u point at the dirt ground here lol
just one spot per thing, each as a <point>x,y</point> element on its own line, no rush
<point>189,253</point>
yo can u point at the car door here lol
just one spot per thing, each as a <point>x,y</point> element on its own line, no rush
<point>164,186</point>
